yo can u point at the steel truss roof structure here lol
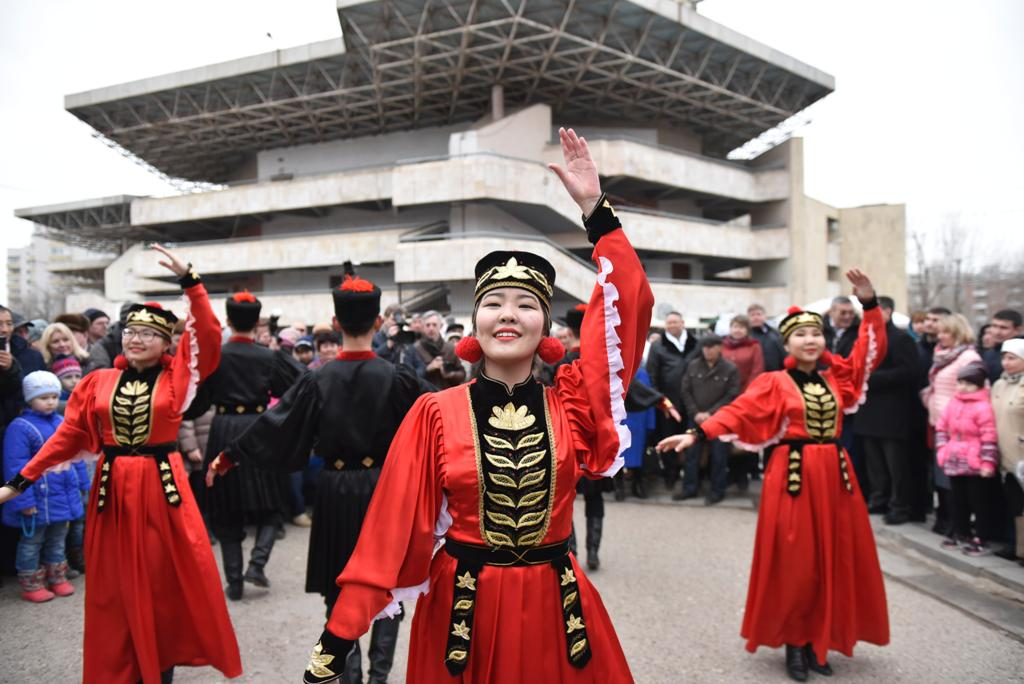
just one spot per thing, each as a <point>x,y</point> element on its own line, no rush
<point>406,64</point>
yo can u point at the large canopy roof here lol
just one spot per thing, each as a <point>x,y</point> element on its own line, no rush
<point>406,64</point>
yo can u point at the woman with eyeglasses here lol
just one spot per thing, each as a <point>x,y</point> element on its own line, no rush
<point>152,595</point>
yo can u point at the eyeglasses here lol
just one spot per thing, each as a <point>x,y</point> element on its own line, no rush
<point>144,334</point>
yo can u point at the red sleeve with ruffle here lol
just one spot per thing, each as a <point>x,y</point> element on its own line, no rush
<point>756,419</point>
<point>850,375</point>
<point>593,388</point>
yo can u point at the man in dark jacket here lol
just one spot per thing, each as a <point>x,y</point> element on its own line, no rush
<point>1005,325</point>
<point>841,326</point>
<point>709,383</point>
<point>771,341</point>
<point>666,363</point>
<point>443,367</point>
<point>11,403</point>
<point>884,422</point>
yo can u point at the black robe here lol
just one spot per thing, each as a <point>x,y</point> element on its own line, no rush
<point>347,412</point>
<point>239,390</point>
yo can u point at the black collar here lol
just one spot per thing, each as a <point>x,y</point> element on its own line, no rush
<point>490,385</point>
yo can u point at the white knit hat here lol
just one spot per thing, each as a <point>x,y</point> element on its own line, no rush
<point>1014,346</point>
<point>38,383</point>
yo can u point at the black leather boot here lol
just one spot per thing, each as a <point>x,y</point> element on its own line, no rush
<point>639,491</point>
<point>231,551</point>
<point>354,665</point>
<point>620,485</point>
<point>812,663</point>
<point>265,538</point>
<point>796,663</point>
<point>383,638</point>
<point>594,526</point>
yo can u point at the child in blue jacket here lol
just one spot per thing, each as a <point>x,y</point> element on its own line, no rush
<point>44,510</point>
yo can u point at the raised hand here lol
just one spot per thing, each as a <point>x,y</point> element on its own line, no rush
<point>172,263</point>
<point>579,175</point>
<point>862,287</point>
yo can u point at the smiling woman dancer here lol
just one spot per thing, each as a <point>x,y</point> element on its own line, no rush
<point>152,593</point>
<point>815,583</point>
<point>474,506</point>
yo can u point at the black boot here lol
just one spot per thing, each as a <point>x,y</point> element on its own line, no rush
<point>796,663</point>
<point>76,559</point>
<point>231,551</point>
<point>638,483</point>
<point>620,485</point>
<point>354,665</point>
<point>594,526</point>
<point>382,648</point>
<point>812,662</point>
<point>265,538</point>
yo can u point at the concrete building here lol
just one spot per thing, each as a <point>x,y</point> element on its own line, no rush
<point>418,140</point>
<point>41,275</point>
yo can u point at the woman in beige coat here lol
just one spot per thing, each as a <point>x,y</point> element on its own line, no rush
<point>1008,404</point>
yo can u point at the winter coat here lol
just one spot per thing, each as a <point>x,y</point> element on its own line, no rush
<point>192,435</point>
<point>892,390</point>
<point>57,495</point>
<point>11,399</point>
<point>747,356</point>
<point>1008,406</point>
<point>666,365</point>
<point>707,389</point>
<point>942,387</point>
<point>771,347</point>
<point>965,436</point>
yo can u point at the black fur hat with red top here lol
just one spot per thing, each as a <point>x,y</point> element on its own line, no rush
<point>356,300</point>
<point>243,310</point>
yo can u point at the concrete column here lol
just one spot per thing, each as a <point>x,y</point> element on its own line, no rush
<point>497,102</point>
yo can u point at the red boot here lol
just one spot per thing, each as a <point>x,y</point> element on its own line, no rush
<point>32,588</point>
<point>57,579</point>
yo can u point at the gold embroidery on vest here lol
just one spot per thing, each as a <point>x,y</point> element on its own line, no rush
<point>131,412</point>
<point>512,467</point>
<point>820,411</point>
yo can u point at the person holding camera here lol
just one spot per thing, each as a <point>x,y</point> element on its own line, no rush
<point>444,369</point>
<point>395,339</point>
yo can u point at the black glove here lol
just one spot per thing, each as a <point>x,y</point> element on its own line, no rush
<point>327,662</point>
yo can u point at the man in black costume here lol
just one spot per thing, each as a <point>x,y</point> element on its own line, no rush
<point>248,375</point>
<point>347,412</point>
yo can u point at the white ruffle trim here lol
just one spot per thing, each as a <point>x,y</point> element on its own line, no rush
<point>734,439</point>
<point>869,365</point>
<point>444,521</point>
<point>613,345</point>
<point>193,356</point>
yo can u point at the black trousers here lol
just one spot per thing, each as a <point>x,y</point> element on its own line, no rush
<point>230,526</point>
<point>593,500</point>
<point>982,497</point>
<point>888,466</point>
<point>1013,496</point>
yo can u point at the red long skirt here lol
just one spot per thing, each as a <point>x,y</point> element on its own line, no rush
<point>815,577</point>
<point>153,598</point>
<point>518,634</point>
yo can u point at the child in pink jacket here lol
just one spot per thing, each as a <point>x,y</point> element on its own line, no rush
<point>967,451</point>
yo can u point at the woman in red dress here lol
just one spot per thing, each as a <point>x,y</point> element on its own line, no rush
<point>152,594</point>
<point>815,583</point>
<point>474,506</point>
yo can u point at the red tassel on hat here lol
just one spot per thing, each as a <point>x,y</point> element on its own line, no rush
<point>789,363</point>
<point>551,350</point>
<point>469,349</point>
<point>826,358</point>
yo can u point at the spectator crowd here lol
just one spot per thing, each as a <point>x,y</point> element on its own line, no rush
<point>940,437</point>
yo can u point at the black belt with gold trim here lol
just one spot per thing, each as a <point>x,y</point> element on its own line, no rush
<point>158,452</point>
<point>352,463</point>
<point>239,409</point>
<point>794,467</point>
<point>471,559</point>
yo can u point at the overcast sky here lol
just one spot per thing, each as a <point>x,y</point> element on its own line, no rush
<point>928,106</point>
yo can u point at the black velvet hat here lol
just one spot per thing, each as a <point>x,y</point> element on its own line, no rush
<point>151,315</point>
<point>524,270</point>
<point>799,318</point>
<point>243,310</point>
<point>356,301</point>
